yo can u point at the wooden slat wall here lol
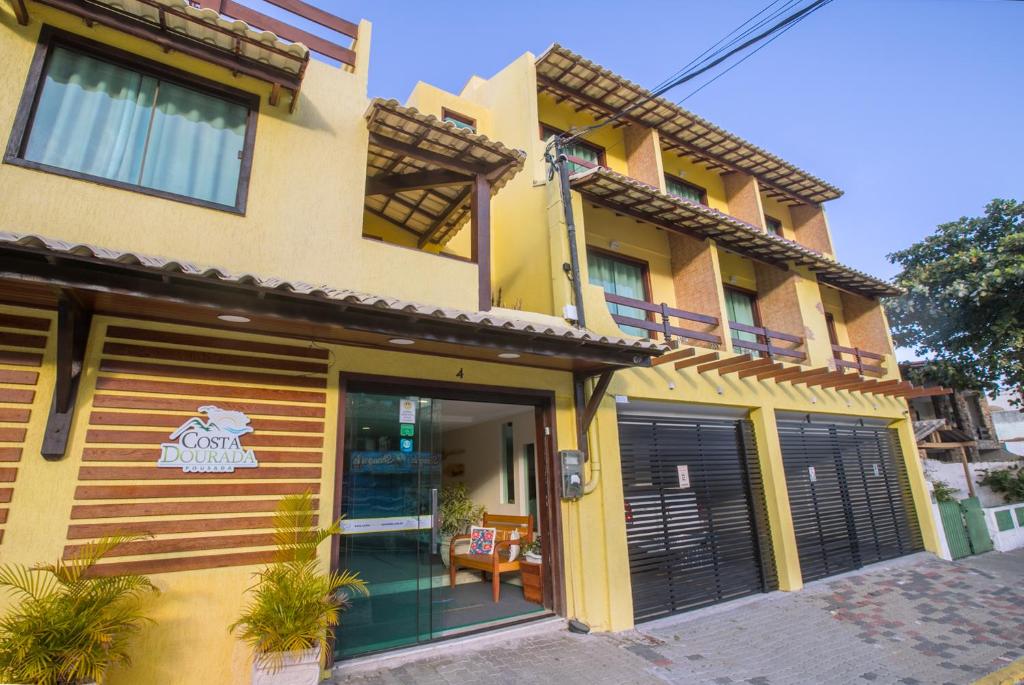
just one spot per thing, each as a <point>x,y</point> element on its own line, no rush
<point>23,341</point>
<point>149,383</point>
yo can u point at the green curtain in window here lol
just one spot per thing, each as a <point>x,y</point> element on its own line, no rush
<point>683,191</point>
<point>104,120</point>
<point>92,117</point>
<point>740,309</point>
<point>585,153</point>
<point>195,145</point>
<point>619,278</point>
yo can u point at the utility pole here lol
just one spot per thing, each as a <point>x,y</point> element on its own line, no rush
<point>562,164</point>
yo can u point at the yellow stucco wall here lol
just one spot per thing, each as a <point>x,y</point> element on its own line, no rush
<point>304,216</point>
<point>195,608</point>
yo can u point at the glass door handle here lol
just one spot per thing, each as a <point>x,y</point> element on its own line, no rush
<point>434,537</point>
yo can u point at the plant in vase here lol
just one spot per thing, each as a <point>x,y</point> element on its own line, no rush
<point>70,626</point>
<point>457,513</point>
<point>294,602</point>
<point>531,550</point>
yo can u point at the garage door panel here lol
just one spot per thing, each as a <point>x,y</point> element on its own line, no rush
<point>694,546</point>
<point>848,496</point>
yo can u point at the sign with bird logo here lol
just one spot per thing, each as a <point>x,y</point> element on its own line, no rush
<point>210,446</point>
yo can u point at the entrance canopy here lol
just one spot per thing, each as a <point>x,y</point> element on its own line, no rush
<point>40,272</point>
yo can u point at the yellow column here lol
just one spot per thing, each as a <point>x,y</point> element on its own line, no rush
<point>918,486</point>
<point>787,559</point>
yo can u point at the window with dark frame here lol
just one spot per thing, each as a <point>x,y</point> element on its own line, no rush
<point>96,113</point>
<point>773,225</point>
<point>687,191</point>
<point>582,155</point>
<point>458,120</point>
<point>624,277</point>
<point>741,308</point>
<point>508,458</point>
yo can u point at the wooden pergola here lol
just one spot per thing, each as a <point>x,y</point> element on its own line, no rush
<point>590,87</point>
<point>428,177</point>
<point>630,197</point>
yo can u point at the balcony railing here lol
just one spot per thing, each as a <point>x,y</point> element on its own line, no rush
<point>765,344</point>
<point>858,363</point>
<point>662,324</point>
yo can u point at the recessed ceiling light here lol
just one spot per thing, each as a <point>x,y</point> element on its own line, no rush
<point>509,355</point>
<point>234,318</point>
<point>366,428</point>
<point>401,341</point>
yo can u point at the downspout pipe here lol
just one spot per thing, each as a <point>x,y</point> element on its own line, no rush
<point>562,162</point>
<point>586,410</point>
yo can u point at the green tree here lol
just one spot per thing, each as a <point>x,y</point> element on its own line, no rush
<point>964,300</point>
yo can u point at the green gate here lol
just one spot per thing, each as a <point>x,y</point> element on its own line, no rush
<point>964,524</point>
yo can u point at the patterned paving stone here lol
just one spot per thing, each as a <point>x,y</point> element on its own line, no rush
<point>917,620</point>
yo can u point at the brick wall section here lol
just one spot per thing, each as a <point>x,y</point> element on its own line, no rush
<point>643,155</point>
<point>696,279</point>
<point>778,300</point>
<point>744,197</point>
<point>810,227</point>
<point>865,323</point>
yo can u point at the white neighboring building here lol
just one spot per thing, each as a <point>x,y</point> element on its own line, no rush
<point>1009,427</point>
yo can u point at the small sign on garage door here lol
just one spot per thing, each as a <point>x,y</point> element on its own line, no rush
<point>683,471</point>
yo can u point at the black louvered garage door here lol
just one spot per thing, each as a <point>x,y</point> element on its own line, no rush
<point>699,544</point>
<point>848,494</point>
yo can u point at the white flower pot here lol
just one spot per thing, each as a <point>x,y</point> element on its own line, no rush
<point>302,668</point>
<point>446,549</point>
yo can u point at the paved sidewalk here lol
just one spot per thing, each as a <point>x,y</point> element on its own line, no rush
<point>915,620</point>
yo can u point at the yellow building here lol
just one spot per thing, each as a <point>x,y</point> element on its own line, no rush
<point>203,226</point>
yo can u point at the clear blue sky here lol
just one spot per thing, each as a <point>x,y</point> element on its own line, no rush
<point>915,108</point>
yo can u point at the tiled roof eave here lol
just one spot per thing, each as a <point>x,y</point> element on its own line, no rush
<point>601,185</point>
<point>535,327</point>
<point>593,87</point>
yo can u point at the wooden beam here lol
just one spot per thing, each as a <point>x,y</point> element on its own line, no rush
<point>73,323</point>
<point>20,11</point>
<point>439,222</point>
<point>945,445</point>
<point>673,356</point>
<point>819,379</point>
<point>723,363</point>
<point>480,221</point>
<point>772,372</point>
<point>452,164</point>
<point>800,373</point>
<point>752,366</point>
<point>929,392</point>
<point>693,361</point>
<point>898,390</point>
<point>873,386</point>
<point>845,379</point>
<point>396,183</point>
<point>967,472</point>
<point>596,395</point>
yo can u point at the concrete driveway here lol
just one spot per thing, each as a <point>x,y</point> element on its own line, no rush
<point>915,620</point>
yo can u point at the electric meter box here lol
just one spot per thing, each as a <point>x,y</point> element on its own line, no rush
<point>572,473</point>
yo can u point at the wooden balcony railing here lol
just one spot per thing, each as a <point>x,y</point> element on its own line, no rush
<point>300,9</point>
<point>858,363</point>
<point>663,320</point>
<point>765,344</point>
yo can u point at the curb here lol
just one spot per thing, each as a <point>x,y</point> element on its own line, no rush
<point>1010,675</point>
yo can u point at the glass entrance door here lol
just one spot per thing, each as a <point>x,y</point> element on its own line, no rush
<point>390,484</point>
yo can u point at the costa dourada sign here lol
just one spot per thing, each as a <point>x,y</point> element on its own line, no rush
<point>210,446</point>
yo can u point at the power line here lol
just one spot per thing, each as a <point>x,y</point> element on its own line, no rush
<point>748,56</point>
<point>702,68</point>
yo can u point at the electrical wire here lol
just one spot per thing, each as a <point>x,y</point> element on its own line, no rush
<point>708,63</point>
<point>746,57</point>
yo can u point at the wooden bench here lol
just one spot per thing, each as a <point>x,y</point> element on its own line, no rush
<point>497,562</point>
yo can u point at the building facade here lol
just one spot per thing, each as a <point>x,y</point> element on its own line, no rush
<point>207,234</point>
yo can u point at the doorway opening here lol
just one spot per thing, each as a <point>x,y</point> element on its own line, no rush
<point>407,448</point>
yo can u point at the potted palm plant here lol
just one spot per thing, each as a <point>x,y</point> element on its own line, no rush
<point>294,602</point>
<point>457,513</point>
<point>70,625</point>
